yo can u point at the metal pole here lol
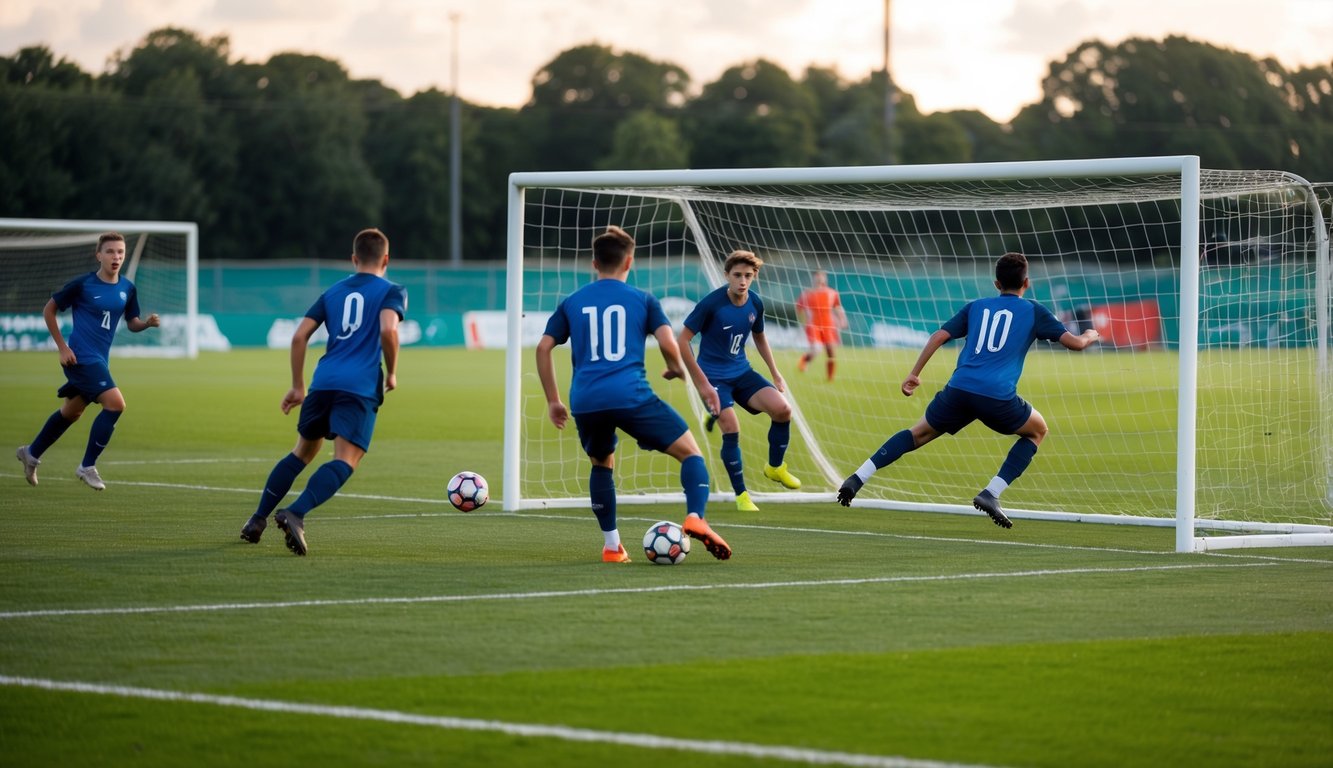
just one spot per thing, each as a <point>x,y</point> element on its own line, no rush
<point>890,151</point>
<point>455,159</point>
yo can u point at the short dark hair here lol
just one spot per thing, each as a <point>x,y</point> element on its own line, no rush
<point>1011,270</point>
<point>108,237</point>
<point>610,248</point>
<point>742,257</point>
<point>369,246</point>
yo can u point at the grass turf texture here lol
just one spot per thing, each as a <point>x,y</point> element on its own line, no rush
<point>842,630</point>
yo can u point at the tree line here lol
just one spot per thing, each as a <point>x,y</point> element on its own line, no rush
<point>287,158</point>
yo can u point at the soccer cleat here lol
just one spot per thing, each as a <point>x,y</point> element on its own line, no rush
<point>986,502</point>
<point>800,365</point>
<point>294,527</point>
<point>30,464</point>
<point>781,475</point>
<point>744,503</point>
<point>710,422</point>
<point>617,555</point>
<point>850,487</point>
<point>697,528</point>
<point>90,477</point>
<point>253,529</point>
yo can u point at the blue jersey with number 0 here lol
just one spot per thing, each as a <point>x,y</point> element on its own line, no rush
<point>723,329</point>
<point>97,309</point>
<point>1000,331</point>
<point>606,323</point>
<point>351,312</point>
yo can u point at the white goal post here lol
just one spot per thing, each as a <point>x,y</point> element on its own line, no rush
<point>38,256</point>
<point>1208,406</point>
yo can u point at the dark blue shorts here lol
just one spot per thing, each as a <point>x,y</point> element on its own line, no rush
<point>332,413</point>
<point>86,380</point>
<point>953,409</point>
<point>654,425</point>
<point>739,390</point>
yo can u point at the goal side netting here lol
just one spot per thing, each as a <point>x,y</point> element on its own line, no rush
<point>38,256</point>
<point>1207,405</point>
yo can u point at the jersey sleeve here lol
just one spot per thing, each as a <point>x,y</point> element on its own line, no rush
<point>656,317</point>
<point>758,326</point>
<point>132,303</point>
<point>68,294</point>
<point>1046,325</point>
<point>316,311</point>
<point>557,327</point>
<point>396,299</point>
<point>698,317</point>
<point>956,326</point>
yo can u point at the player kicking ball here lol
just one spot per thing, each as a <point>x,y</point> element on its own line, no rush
<point>1000,331</point>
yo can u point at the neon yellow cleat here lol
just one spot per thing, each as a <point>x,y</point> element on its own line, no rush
<point>745,504</point>
<point>781,475</point>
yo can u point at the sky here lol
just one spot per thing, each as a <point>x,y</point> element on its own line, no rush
<point>948,54</point>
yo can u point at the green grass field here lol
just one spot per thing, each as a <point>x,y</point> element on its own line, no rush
<point>137,629</point>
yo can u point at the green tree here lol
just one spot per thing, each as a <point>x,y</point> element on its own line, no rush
<point>645,141</point>
<point>44,101</point>
<point>580,97</point>
<point>753,115</point>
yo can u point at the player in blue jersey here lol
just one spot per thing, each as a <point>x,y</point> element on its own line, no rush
<point>606,323</point>
<point>361,314</point>
<point>724,320</point>
<point>97,301</point>
<point>1000,330</point>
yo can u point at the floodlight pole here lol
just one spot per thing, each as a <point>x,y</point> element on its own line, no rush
<point>891,155</point>
<point>455,158</point>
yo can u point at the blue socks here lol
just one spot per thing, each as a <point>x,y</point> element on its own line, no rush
<point>54,427</point>
<point>99,436</point>
<point>323,484</point>
<point>279,483</point>
<point>602,490</point>
<point>779,434</point>
<point>694,479</point>
<point>731,460</point>
<point>1020,456</point>
<point>893,449</point>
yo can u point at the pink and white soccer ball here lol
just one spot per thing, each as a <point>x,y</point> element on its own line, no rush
<point>665,543</point>
<point>467,491</point>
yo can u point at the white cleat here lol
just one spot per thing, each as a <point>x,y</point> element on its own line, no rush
<point>90,477</point>
<point>30,464</point>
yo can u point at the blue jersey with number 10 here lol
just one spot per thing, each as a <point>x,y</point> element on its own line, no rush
<point>1000,331</point>
<point>606,323</point>
<point>351,312</point>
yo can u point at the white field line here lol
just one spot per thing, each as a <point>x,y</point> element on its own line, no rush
<point>577,593</point>
<point>439,502</point>
<point>527,730</point>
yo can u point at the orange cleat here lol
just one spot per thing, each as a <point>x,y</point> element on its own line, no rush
<point>697,528</point>
<point>618,555</point>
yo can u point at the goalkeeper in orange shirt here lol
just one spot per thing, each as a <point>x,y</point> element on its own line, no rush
<point>821,312</point>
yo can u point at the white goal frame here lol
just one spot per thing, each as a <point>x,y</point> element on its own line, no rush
<point>189,229</point>
<point>1187,167</point>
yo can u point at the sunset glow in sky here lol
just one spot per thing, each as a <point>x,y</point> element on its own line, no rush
<point>948,54</point>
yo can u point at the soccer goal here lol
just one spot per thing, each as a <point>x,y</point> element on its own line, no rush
<point>1208,406</point>
<point>38,256</point>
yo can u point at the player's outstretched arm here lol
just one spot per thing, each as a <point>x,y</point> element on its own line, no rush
<point>555,409</point>
<point>300,342</point>
<point>389,344</point>
<point>67,356</point>
<point>706,391</point>
<point>937,339</point>
<point>1081,341</point>
<point>136,324</point>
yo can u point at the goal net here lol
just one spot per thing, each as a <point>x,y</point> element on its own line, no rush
<point>1208,405</point>
<point>38,256</point>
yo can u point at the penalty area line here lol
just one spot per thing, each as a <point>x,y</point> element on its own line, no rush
<point>576,593</point>
<point>527,730</point>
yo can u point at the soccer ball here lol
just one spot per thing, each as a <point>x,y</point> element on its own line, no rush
<point>467,491</point>
<point>665,543</point>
